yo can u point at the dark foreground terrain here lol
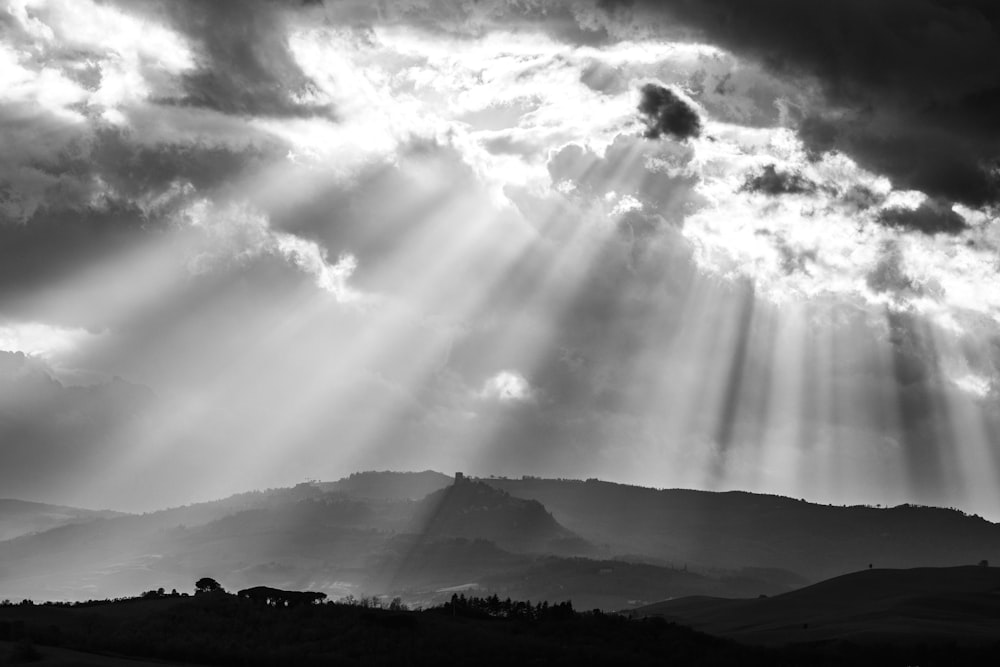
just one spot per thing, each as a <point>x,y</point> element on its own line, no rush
<point>958,605</point>
<point>219,628</point>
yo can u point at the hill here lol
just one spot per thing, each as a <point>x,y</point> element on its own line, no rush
<point>960,604</point>
<point>734,530</point>
<point>469,536</point>
<point>222,629</point>
<point>388,485</point>
<point>604,545</point>
<point>476,510</point>
<point>19,517</point>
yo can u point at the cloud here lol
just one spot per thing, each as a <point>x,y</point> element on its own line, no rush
<point>771,181</point>
<point>888,274</point>
<point>667,113</point>
<point>909,88</point>
<point>930,217</point>
<point>507,386</point>
<point>603,78</point>
<point>857,198</point>
<point>244,66</point>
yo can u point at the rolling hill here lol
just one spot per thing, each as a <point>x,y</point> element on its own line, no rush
<point>19,517</point>
<point>959,604</point>
<point>599,544</point>
<point>734,530</point>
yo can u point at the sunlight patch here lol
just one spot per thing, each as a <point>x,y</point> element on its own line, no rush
<point>39,339</point>
<point>506,387</point>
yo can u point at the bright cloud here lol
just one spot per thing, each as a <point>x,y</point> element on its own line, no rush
<point>754,297</point>
<point>507,386</point>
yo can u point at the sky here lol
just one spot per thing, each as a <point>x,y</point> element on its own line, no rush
<point>720,245</point>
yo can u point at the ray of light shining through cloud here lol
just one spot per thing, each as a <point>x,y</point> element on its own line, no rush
<point>255,245</point>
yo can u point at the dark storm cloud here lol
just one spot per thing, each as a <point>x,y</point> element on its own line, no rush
<point>244,63</point>
<point>134,168</point>
<point>860,198</point>
<point>55,242</point>
<point>78,192</point>
<point>772,181</point>
<point>106,193</point>
<point>954,162</point>
<point>910,85</point>
<point>930,218</point>
<point>558,18</point>
<point>666,113</point>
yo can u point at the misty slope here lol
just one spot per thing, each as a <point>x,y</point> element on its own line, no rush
<point>954,604</point>
<point>733,530</point>
<point>476,510</point>
<point>389,485</point>
<point>466,535</point>
<point>117,555</point>
<point>19,517</point>
<point>475,533</point>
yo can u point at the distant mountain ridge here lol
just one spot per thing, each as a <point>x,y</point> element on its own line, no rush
<point>20,517</point>
<point>596,543</point>
<point>734,529</point>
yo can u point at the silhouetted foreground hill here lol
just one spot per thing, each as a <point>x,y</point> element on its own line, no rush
<point>221,629</point>
<point>960,604</point>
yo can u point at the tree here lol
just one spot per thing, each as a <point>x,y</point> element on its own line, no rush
<point>207,585</point>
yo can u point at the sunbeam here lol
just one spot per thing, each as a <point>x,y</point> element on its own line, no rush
<point>303,240</point>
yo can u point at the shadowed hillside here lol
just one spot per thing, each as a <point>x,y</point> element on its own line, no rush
<point>216,628</point>
<point>922,604</point>
<point>474,509</point>
<point>604,545</point>
<point>735,529</point>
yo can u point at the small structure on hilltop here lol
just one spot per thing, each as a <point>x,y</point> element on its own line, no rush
<point>459,477</point>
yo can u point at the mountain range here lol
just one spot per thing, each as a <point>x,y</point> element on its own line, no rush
<point>422,536</point>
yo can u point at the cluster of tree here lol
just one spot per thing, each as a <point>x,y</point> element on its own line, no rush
<point>372,602</point>
<point>493,606</point>
<point>148,595</point>
<point>276,597</point>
